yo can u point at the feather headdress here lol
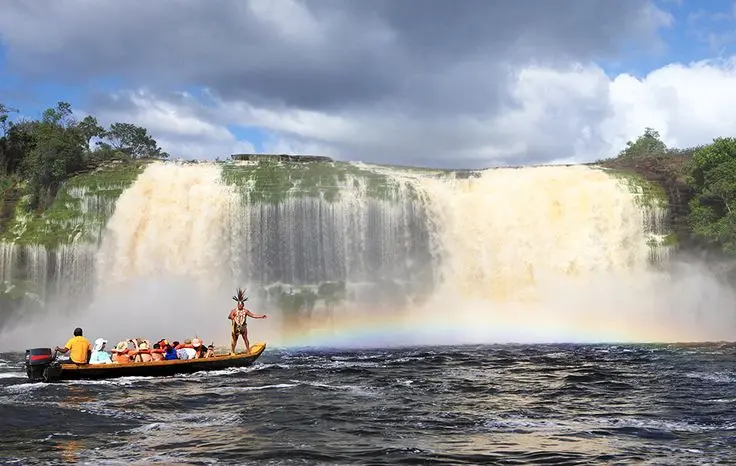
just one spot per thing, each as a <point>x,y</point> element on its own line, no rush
<point>240,296</point>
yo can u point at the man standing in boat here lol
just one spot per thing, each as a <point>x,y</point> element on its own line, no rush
<point>239,325</point>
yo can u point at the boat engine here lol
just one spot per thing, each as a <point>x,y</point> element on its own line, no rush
<point>38,363</point>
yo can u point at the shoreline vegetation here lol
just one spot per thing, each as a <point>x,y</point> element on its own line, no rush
<point>46,161</point>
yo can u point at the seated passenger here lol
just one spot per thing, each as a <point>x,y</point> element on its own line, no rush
<point>141,353</point>
<point>78,348</point>
<point>170,351</point>
<point>210,351</point>
<point>157,354</point>
<point>199,349</point>
<point>120,354</point>
<point>185,350</point>
<point>99,355</point>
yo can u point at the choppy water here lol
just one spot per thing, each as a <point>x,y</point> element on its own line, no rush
<point>562,404</point>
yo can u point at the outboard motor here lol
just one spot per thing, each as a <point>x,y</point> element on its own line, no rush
<point>38,360</point>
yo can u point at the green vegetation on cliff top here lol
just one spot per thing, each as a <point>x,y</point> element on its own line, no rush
<point>713,207</point>
<point>79,211</point>
<point>55,184</point>
<point>707,173</point>
<point>273,181</point>
<point>648,194</point>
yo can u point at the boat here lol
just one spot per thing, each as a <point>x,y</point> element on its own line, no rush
<point>42,366</point>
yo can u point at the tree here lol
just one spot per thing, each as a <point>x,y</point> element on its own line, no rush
<point>59,150</point>
<point>5,123</point>
<point>713,208</point>
<point>132,140</point>
<point>60,115</point>
<point>42,154</point>
<point>89,128</point>
<point>15,145</point>
<point>648,143</point>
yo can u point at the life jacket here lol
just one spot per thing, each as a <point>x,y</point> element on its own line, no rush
<point>121,357</point>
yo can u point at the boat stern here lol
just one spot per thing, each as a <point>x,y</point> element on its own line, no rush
<point>40,365</point>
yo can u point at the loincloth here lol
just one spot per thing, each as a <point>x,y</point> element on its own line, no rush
<point>239,329</point>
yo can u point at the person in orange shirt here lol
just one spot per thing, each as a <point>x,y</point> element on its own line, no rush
<point>78,348</point>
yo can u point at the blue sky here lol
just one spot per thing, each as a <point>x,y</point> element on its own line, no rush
<point>409,95</point>
<point>32,96</point>
<point>700,30</point>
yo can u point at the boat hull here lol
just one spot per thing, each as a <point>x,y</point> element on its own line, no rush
<point>59,372</point>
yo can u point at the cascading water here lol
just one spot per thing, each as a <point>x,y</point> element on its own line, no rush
<point>47,264</point>
<point>534,253</point>
<point>304,242</point>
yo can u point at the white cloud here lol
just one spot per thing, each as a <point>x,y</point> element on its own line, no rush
<point>176,126</point>
<point>688,104</point>
<point>445,83</point>
<point>203,149</point>
<point>558,115</point>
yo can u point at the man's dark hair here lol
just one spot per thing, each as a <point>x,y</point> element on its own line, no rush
<point>77,332</point>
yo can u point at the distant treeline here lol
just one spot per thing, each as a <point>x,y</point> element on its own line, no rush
<point>37,156</point>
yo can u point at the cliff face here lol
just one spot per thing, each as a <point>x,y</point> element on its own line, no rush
<point>79,212</point>
<point>85,203</point>
<point>335,231</point>
<point>669,172</point>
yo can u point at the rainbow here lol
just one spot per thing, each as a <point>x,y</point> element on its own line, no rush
<point>395,329</point>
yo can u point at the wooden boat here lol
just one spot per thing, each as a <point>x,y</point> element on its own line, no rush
<point>42,367</point>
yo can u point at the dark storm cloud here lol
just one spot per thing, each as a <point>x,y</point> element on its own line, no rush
<point>373,80</point>
<point>322,54</point>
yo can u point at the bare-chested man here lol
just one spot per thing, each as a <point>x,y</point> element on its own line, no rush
<point>239,325</point>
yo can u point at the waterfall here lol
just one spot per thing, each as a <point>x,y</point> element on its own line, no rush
<point>322,243</point>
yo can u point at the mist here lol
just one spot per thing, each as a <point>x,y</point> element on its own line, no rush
<point>688,301</point>
<point>531,255</point>
<point>174,308</point>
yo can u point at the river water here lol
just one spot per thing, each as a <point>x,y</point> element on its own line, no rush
<point>562,404</point>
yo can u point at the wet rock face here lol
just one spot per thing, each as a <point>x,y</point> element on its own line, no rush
<point>668,171</point>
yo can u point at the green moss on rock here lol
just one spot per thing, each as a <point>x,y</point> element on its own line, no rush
<point>301,300</point>
<point>5,184</point>
<point>79,212</point>
<point>671,240</point>
<point>273,181</point>
<point>648,194</point>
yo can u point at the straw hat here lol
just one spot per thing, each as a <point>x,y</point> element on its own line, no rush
<point>121,347</point>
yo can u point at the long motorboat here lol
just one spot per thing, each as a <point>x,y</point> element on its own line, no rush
<point>41,366</point>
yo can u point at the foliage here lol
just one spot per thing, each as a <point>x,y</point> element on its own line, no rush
<point>708,170</point>
<point>713,207</point>
<point>131,140</point>
<point>43,154</point>
<point>648,143</point>
<point>71,216</point>
<point>273,181</point>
